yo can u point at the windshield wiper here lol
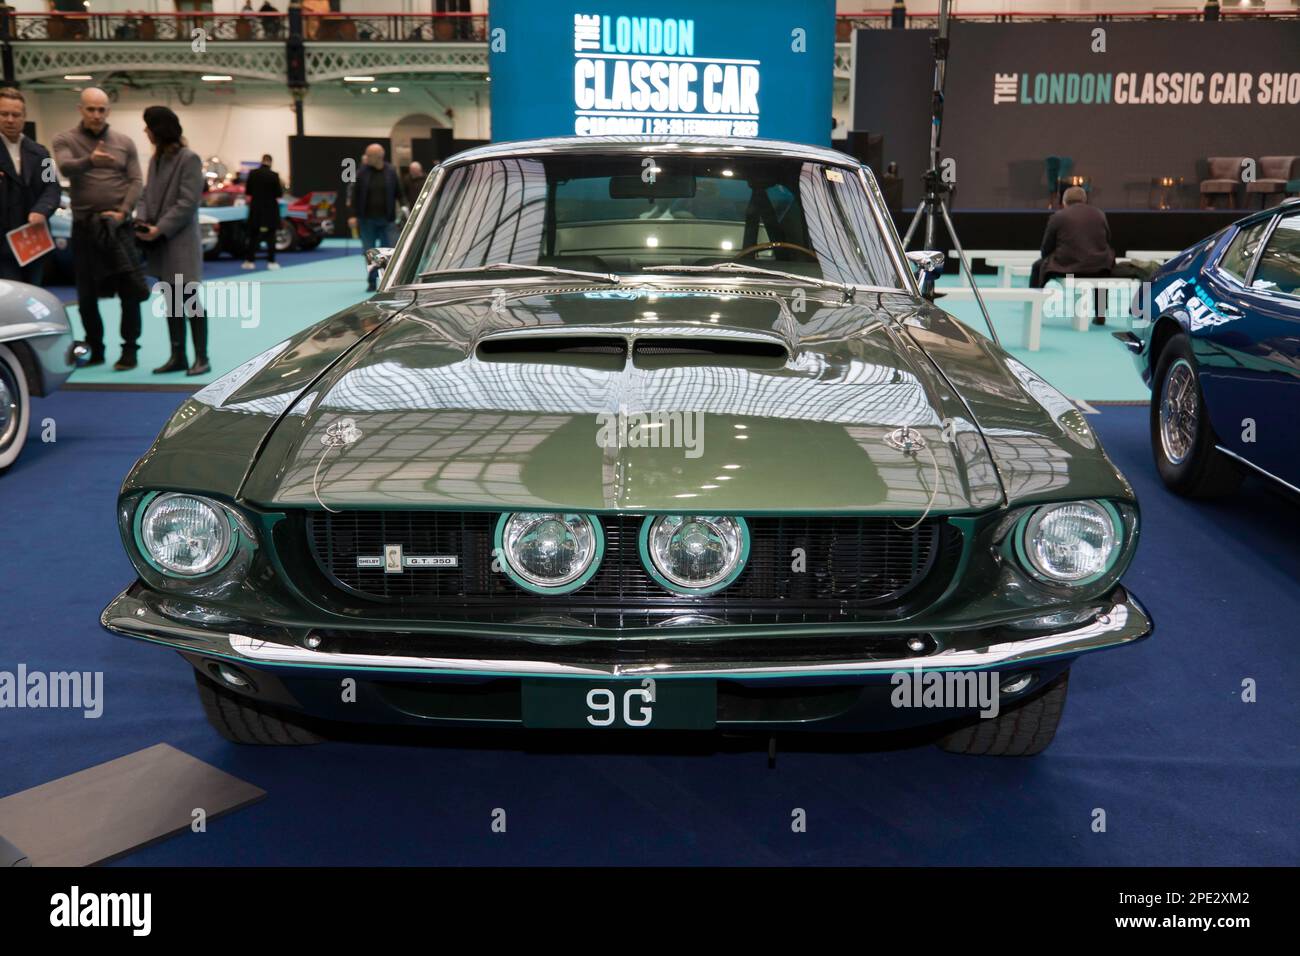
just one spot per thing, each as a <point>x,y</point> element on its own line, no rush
<point>517,267</point>
<point>846,287</point>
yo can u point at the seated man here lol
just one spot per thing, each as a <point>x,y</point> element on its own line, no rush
<point>1077,242</point>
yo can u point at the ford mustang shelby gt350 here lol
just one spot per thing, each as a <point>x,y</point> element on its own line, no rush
<point>637,433</point>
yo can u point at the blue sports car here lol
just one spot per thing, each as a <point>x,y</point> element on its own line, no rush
<point>1222,356</point>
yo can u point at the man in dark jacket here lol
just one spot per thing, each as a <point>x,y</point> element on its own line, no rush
<point>1077,242</point>
<point>413,182</point>
<point>263,190</point>
<point>374,203</point>
<point>29,184</point>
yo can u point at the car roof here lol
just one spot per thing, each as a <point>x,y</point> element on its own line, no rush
<point>1288,205</point>
<point>640,144</point>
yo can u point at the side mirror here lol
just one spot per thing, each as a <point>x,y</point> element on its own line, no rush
<point>378,258</point>
<point>928,264</point>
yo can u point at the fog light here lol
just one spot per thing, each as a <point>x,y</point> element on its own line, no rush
<point>231,676</point>
<point>695,554</point>
<point>549,553</point>
<point>1016,683</point>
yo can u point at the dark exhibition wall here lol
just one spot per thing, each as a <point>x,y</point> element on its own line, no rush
<point>1156,102</point>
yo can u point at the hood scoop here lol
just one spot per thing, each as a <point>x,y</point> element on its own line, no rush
<point>649,350</point>
<point>663,351</point>
<point>590,351</point>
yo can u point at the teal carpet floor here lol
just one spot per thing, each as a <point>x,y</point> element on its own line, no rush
<point>1084,365</point>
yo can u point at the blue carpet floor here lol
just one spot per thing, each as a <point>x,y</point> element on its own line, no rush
<point>1155,734</point>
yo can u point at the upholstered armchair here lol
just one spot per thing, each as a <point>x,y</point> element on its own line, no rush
<point>1224,180</point>
<point>1274,174</point>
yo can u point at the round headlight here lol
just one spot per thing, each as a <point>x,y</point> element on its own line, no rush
<point>696,553</point>
<point>1071,543</point>
<point>550,552</point>
<point>185,536</point>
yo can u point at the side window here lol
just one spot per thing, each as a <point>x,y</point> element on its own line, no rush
<point>1241,252</point>
<point>1279,264</point>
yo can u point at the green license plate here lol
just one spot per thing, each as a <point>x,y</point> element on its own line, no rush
<point>620,704</point>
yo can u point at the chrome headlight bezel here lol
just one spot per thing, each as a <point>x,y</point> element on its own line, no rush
<point>505,540</point>
<point>656,568</point>
<point>1032,521</point>
<point>228,543</point>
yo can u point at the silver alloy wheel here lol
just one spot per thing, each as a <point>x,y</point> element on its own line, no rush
<point>10,416</point>
<point>1180,411</point>
<point>284,238</point>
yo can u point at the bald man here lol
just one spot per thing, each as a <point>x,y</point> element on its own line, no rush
<point>1076,242</point>
<point>103,171</point>
<point>374,202</point>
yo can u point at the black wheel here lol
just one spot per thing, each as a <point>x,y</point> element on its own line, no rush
<point>15,407</point>
<point>285,237</point>
<point>1023,731</point>
<point>308,243</point>
<point>244,721</point>
<point>1182,438</point>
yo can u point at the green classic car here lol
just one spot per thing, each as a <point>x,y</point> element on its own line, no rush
<point>638,433</point>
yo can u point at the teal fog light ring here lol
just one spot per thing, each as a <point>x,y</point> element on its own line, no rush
<point>525,542</point>
<point>722,539</point>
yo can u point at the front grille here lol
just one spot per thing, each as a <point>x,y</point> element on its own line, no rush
<point>800,569</point>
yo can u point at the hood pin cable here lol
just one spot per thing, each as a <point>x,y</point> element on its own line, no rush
<point>340,433</point>
<point>909,441</point>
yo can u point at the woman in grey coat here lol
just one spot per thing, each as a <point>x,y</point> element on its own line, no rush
<point>167,222</point>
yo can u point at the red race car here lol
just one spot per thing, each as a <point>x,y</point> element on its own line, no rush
<point>305,219</point>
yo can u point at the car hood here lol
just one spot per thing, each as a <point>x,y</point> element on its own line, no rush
<point>652,399</point>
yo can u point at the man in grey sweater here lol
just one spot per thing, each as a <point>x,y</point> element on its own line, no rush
<point>103,170</point>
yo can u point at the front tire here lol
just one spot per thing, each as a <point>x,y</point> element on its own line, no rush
<point>286,239</point>
<point>1182,438</point>
<point>1023,731</point>
<point>15,407</point>
<point>244,721</point>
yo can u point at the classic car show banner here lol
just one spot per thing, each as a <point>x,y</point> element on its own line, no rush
<point>735,68</point>
<point>1126,101</point>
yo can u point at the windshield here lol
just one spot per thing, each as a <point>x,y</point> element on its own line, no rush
<point>623,214</point>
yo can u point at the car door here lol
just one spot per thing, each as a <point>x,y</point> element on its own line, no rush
<point>1247,343</point>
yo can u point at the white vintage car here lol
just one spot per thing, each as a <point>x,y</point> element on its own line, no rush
<point>37,354</point>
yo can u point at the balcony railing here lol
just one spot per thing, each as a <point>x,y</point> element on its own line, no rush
<point>466,27</point>
<point>846,23</point>
<point>250,27</point>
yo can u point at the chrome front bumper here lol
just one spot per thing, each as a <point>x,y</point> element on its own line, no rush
<point>1123,622</point>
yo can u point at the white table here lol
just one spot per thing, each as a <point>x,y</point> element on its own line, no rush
<point>1149,255</point>
<point>1005,261</point>
<point>1032,299</point>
